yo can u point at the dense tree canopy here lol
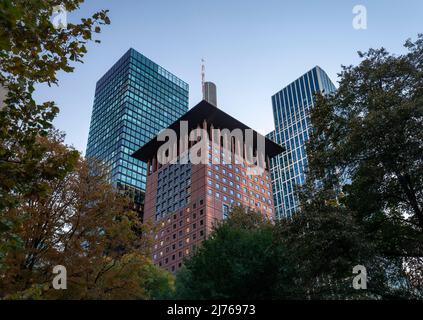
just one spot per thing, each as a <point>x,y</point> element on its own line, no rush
<point>369,136</point>
<point>56,208</point>
<point>32,51</point>
<point>82,223</point>
<point>362,203</point>
<point>366,152</point>
<point>237,261</point>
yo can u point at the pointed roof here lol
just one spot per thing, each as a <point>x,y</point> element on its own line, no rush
<point>195,116</point>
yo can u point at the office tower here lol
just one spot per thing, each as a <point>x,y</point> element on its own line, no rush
<point>134,100</point>
<point>187,199</point>
<point>291,108</point>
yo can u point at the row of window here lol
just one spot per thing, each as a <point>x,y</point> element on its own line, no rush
<point>252,203</point>
<point>231,183</point>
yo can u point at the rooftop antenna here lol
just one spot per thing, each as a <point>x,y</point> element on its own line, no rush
<point>203,77</point>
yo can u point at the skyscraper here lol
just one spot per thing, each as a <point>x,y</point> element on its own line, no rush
<point>187,199</point>
<point>291,108</point>
<point>133,101</point>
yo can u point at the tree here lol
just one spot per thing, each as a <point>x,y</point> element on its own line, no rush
<point>158,283</point>
<point>238,261</point>
<point>323,243</point>
<point>366,163</point>
<point>83,223</point>
<point>32,51</point>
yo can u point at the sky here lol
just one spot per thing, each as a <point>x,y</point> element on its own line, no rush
<point>252,48</point>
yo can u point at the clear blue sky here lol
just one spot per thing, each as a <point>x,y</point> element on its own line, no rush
<point>253,48</point>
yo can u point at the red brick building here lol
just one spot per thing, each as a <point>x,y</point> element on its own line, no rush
<point>186,200</point>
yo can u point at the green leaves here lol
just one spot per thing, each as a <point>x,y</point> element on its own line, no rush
<point>32,51</point>
<point>366,157</point>
<point>239,261</point>
<point>4,227</point>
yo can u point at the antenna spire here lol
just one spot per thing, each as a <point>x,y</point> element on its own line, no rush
<point>203,77</point>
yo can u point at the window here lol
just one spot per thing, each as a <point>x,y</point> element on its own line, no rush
<point>225,210</point>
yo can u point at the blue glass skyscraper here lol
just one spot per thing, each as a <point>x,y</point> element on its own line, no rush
<point>291,108</point>
<point>133,101</point>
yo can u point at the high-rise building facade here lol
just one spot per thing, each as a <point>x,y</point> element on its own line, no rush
<point>187,199</point>
<point>133,101</point>
<point>291,115</point>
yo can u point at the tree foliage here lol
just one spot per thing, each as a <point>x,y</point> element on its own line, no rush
<point>366,163</point>
<point>237,261</point>
<point>84,224</point>
<point>32,51</point>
